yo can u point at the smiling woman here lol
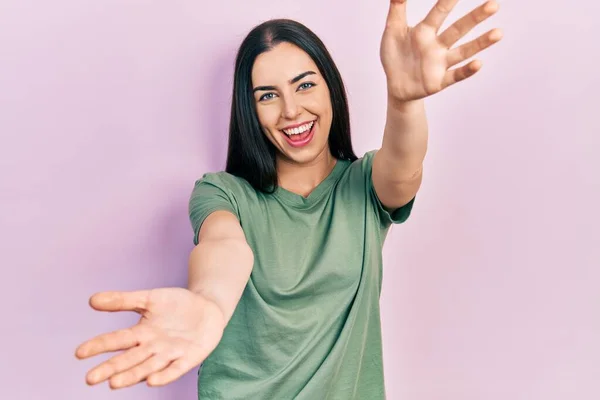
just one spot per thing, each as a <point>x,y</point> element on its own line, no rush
<point>285,278</point>
<point>297,135</point>
<point>293,81</point>
<point>295,105</point>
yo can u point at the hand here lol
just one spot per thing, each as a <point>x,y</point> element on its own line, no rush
<point>176,332</point>
<point>417,60</point>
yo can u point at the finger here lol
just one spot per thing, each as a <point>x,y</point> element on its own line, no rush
<point>468,50</point>
<point>397,14</point>
<point>173,372</point>
<point>120,301</point>
<point>439,13</point>
<point>458,74</point>
<point>118,340</point>
<point>118,364</point>
<point>460,28</point>
<point>139,372</point>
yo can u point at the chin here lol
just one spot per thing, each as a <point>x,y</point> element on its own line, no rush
<point>307,155</point>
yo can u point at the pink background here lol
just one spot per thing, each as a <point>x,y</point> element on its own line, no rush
<point>109,110</point>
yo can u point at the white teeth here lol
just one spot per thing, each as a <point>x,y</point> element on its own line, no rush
<point>300,129</point>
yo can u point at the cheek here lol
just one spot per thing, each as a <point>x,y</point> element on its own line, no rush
<point>268,117</point>
<point>321,105</point>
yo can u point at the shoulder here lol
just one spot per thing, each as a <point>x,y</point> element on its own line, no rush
<point>361,167</point>
<point>225,182</point>
<point>217,191</point>
<point>366,161</point>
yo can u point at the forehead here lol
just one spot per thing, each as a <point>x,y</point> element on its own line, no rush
<point>280,64</point>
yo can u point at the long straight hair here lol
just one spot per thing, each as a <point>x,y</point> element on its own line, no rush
<point>250,154</point>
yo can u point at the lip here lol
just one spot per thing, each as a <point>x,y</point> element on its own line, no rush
<point>297,125</point>
<point>303,142</point>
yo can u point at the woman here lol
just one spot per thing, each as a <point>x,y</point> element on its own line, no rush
<point>284,281</point>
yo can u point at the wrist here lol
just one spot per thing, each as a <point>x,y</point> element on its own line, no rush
<point>405,106</point>
<point>210,302</point>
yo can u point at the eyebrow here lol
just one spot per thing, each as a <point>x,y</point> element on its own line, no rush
<point>291,81</point>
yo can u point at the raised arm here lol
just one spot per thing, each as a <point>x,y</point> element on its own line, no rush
<point>178,327</point>
<point>418,62</point>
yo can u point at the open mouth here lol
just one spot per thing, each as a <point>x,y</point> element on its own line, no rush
<point>300,136</point>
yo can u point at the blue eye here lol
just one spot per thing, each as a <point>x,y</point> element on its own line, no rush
<point>306,85</point>
<point>265,96</point>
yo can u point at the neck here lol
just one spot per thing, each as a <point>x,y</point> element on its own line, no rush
<point>303,178</point>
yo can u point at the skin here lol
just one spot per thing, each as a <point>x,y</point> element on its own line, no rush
<point>178,327</point>
<point>418,62</point>
<point>281,101</point>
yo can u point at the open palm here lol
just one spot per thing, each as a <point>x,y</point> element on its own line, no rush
<point>417,60</point>
<point>176,332</point>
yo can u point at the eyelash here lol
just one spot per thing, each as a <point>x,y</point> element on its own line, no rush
<point>262,98</point>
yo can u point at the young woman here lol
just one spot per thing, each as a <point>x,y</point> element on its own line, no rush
<point>285,278</point>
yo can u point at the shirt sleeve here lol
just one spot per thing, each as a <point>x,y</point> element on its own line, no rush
<point>209,195</point>
<point>386,217</point>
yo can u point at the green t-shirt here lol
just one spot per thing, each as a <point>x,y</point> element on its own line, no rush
<point>308,324</point>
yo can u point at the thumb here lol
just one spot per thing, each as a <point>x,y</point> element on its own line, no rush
<point>397,14</point>
<point>120,301</point>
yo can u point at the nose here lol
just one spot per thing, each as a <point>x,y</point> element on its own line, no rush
<point>290,108</point>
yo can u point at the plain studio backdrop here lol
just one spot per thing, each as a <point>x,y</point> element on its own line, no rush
<point>110,110</point>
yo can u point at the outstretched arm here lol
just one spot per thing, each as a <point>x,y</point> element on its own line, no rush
<point>418,62</point>
<point>178,328</point>
<point>221,263</point>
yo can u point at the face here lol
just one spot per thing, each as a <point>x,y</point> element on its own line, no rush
<point>293,103</point>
